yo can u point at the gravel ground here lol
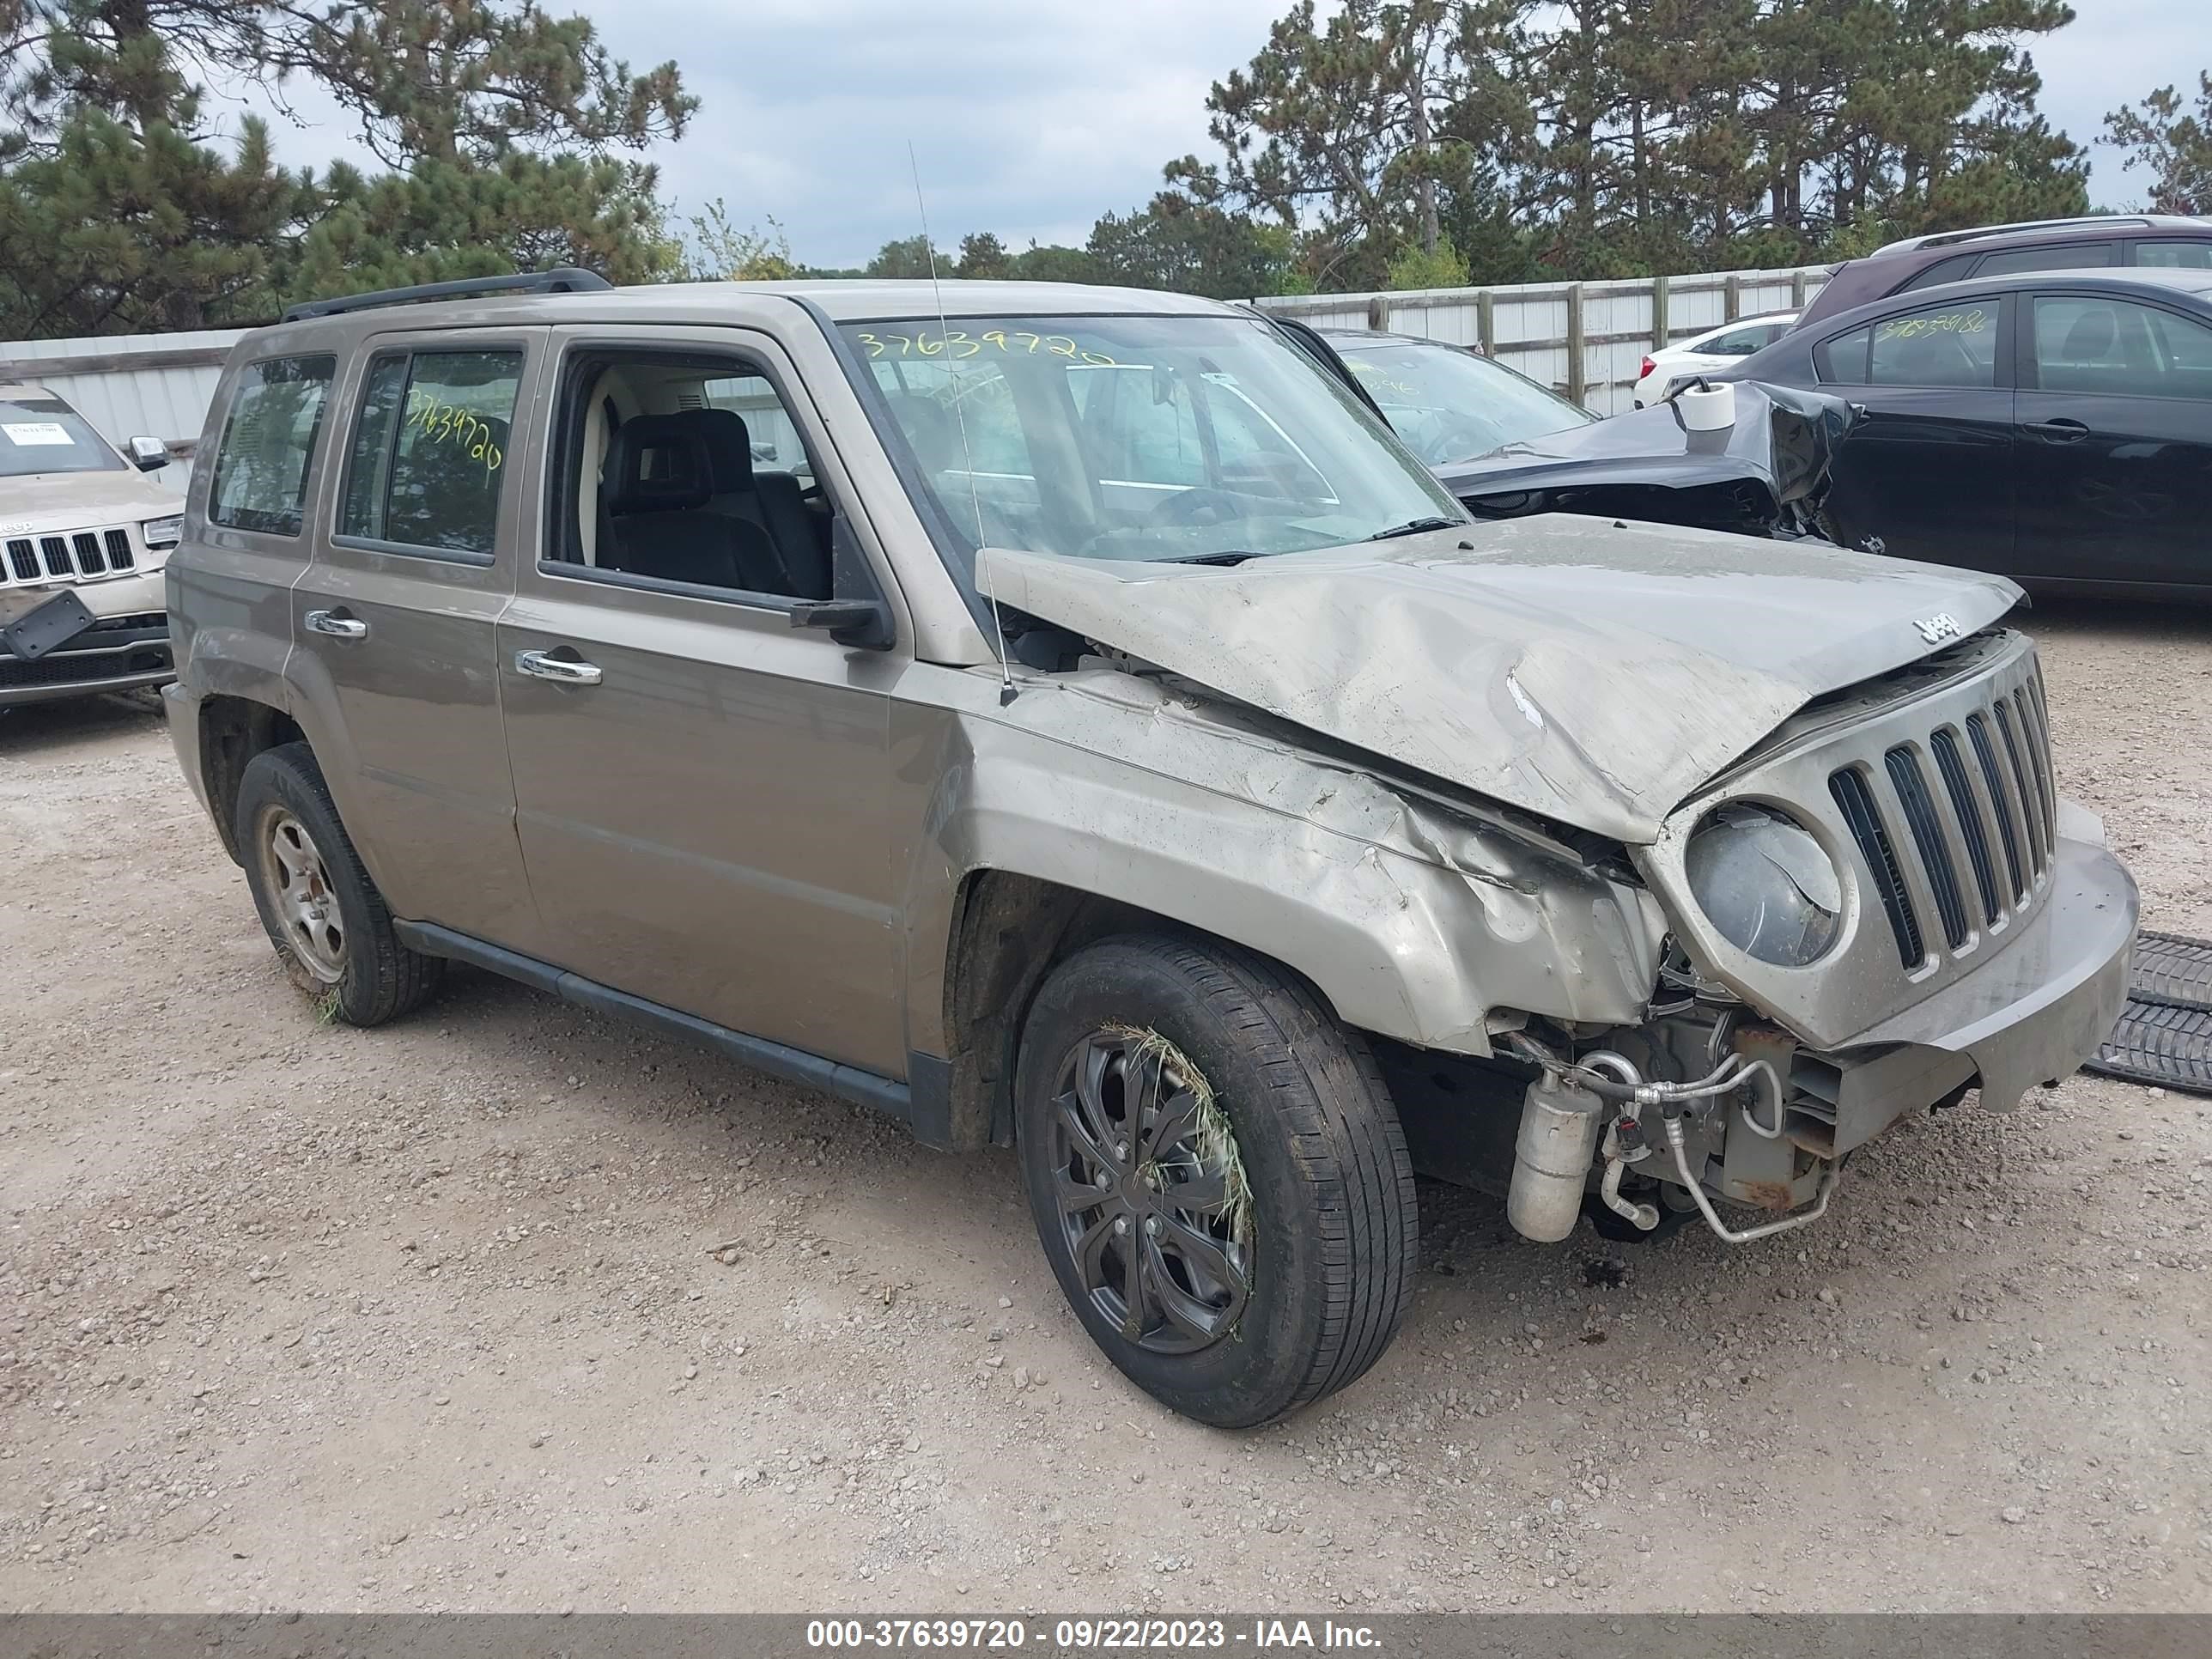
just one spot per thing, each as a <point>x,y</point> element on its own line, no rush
<point>432,1318</point>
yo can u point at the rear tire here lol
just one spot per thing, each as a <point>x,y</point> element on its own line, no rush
<point>324,914</point>
<point>1273,1232</point>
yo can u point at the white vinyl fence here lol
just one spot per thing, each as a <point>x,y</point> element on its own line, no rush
<point>1584,340</point>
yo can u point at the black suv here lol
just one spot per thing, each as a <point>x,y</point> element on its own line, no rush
<point>1956,256</point>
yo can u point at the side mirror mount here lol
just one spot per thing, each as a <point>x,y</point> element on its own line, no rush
<point>857,616</point>
<point>148,454</point>
<point>864,625</point>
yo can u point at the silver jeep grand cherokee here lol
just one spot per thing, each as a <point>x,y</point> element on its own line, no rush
<point>1066,719</point>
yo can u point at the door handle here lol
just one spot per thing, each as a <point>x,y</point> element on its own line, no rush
<point>333,625</point>
<point>2059,432</point>
<point>542,665</point>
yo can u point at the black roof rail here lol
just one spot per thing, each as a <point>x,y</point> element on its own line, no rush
<point>566,279</point>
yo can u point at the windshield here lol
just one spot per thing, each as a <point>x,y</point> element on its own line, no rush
<point>1138,438</point>
<point>45,435</point>
<point>1449,405</point>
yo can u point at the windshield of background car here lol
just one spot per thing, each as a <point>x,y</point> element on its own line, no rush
<point>1449,405</point>
<point>1134,438</point>
<point>45,435</point>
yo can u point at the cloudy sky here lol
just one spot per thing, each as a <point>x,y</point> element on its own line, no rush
<point>1033,117</point>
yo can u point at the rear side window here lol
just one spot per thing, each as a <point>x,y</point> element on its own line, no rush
<point>429,450</point>
<point>1742,341</point>
<point>1953,345</point>
<point>2175,256</point>
<point>260,481</point>
<point>2063,256</point>
<point>2111,347</point>
<point>1957,267</point>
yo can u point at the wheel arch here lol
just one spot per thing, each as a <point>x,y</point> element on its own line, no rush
<point>1009,931</point>
<point>233,730</point>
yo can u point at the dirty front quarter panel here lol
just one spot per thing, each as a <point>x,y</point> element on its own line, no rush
<point>1415,917</point>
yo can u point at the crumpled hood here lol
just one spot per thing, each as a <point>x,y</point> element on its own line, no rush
<point>41,503</point>
<point>1592,671</point>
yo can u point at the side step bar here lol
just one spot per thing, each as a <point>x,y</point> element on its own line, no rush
<point>892,1098</point>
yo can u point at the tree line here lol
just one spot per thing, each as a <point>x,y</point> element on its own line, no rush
<point>1419,143</point>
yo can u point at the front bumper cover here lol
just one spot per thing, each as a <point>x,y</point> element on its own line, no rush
<point>2037,1009</point>
<point>116,653</point>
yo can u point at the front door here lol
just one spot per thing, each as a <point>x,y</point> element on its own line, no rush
<point>1928,473</point>
<point>2115,443</point>
<point>702,789</point>
<point>415,556</point>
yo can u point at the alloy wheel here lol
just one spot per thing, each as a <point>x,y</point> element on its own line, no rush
<point>299,890</point>
<point>1150,1193</point>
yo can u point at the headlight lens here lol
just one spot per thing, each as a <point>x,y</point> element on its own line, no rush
<point>1765,883</point>
<point>163,532</point>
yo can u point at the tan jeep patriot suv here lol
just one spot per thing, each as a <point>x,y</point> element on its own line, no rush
<point>1068,719</point>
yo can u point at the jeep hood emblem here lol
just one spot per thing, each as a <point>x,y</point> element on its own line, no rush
<point>1938,627</point>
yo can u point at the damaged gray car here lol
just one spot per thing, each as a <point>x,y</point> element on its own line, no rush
<point>1070,720</point>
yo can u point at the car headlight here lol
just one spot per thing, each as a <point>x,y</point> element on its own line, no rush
<point>1765,883</point>
<point>163,532</point>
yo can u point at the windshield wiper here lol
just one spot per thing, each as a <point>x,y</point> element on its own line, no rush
<point>1414,527</point>
<point>1210,558</point>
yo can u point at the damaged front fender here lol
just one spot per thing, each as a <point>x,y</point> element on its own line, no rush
<point>1416,921</point>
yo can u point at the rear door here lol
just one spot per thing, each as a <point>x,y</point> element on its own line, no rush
<point>2114,441</point>
<point>415,560</point>
<point>1929,471</point>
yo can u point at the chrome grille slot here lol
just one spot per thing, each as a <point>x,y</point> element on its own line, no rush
<point>1907,777</point>
<point>2041,739</point>
<point>2031,799</point>
<point>1977,733</point>
<point>1856,800</point>
<point>1973,829</point>
<point>89,554</point>
<point>2037,742</point>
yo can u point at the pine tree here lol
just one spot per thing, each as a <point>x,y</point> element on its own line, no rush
<point>443,220</point>
<point>118,213</point>
<point>1336,131</point>
<point>116,217</point>
<point>2172,144</point>
<point>440,80</point>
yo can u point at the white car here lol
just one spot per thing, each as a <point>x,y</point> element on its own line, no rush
<point>1716,349</point>
<point>79,516</point>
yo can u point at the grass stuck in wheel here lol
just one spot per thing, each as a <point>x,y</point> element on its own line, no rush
<point>1214,1137</point>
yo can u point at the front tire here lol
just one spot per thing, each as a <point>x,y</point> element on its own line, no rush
<point>321,911</point>
<point>1218,1176</point>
